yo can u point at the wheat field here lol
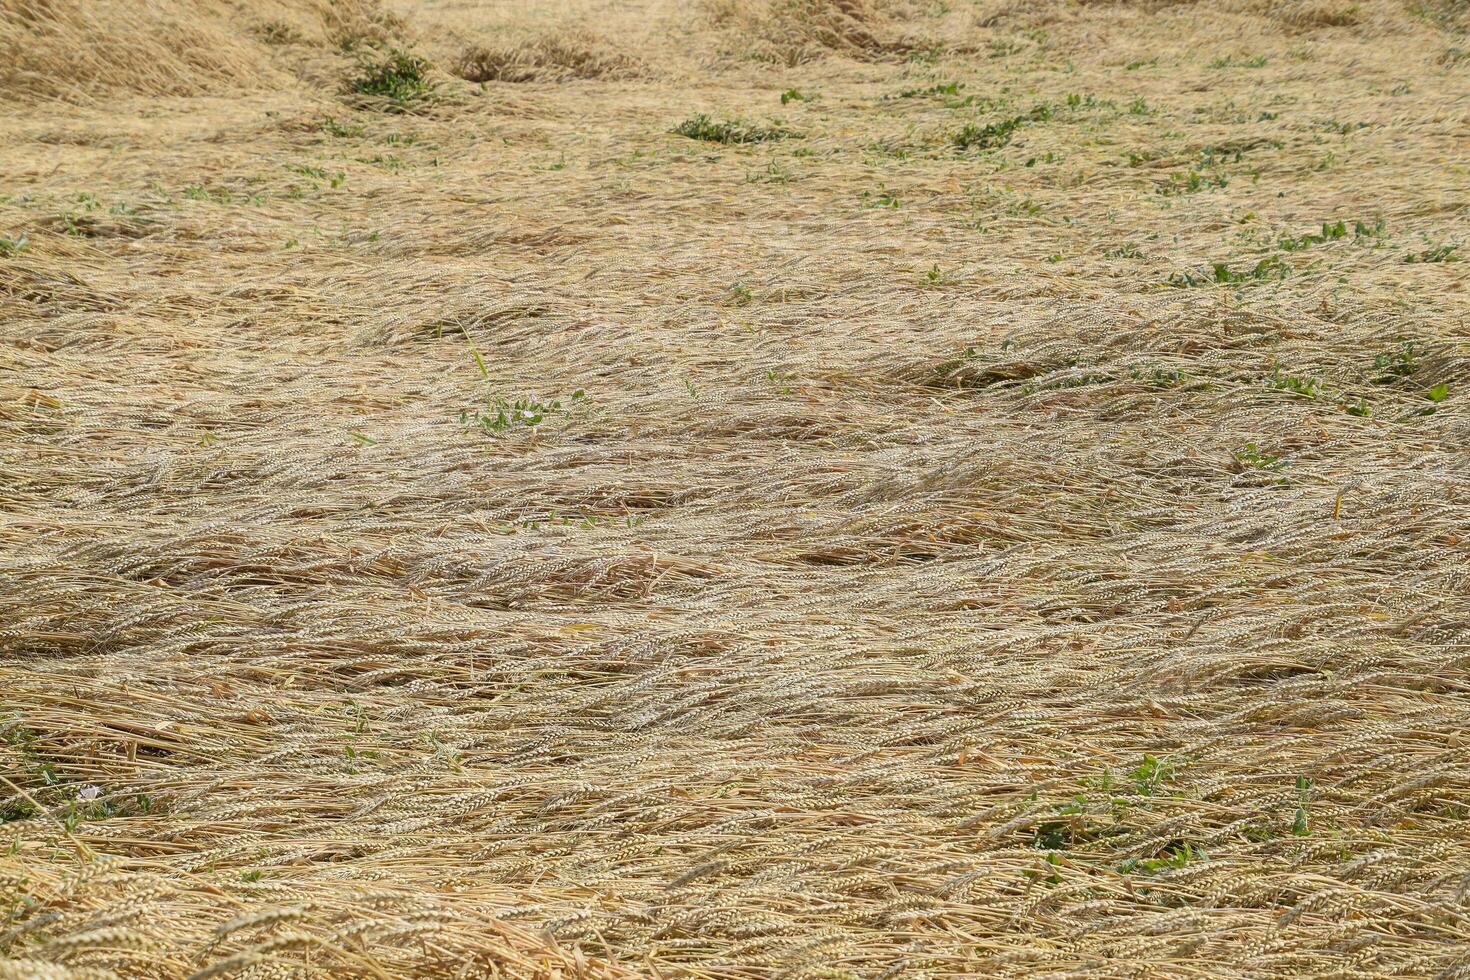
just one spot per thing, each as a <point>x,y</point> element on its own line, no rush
<point>734,489</point>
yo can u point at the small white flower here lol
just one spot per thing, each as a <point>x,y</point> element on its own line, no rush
<point>89,793</point>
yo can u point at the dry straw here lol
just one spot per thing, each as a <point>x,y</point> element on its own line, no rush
<point>998,510</point>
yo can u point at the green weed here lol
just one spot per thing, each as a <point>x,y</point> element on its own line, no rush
<point>1304,387</point>
<point>386,161</point>
<point>989,136</point>
<point>13,244</point>
<point>1004,47</point>
<point>998,134</point>
<point>1088,101</point>
<point>1377,230</point>
<point>1438,253</point>
<point>1340,128</point>
<point>1157,377</point>
<point>1257,61</point>
<point>401,79</point>
<point>1150,774</point>
<point>1301,824</point>
<point>1396,365</point>
<point>501,415</point>
<point>332,127</point>
<point>883,199</point>
<point>950,92</point>
<point>1191,183</point>
<point>950,88</point>
<point>730,131</point>
<point>1250,457</point>
<point>278,32</point>
<point>1330,233</point>
<point>774,173</point>
<point>1174,855</point>
<point>1271,267</point>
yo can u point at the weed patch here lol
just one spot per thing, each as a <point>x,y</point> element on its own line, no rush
<point>400,79</point>
<point>1268,269</point>
<point>1436,253</point>
<point>997,134</point>
<point>729,131</point>
<point>1254,61</point>
<point>501,415</point>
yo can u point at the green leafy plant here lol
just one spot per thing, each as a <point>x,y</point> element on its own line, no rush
<point>997,134</point>
<point>278,32</point>
<point>792,95</point>
<point>1251,457</point>
<point>1191,183</point>
<point>947,88</point>
<point>1330,233</point>
<point>1301,824</point>
<point>1377,230</point>
<point>1148,775</point>
<point>1340,128</point>
<point>13,244</point>
<point>1256,61</point>
<point>883,199</point>
<point>774,173</point>
<point>1174,855</point>
<point>1438,253</point>
<point>987,137</point>
<point>1271,267</point>
<point>1305,387</point>
<point>385,160</point>
<point>1157,377</point>
<point>332,127</point>
<point>1051,878</point>
<point>401,79</point>
<point>702,127</point>
<point>501,415</point>
<point>1396,365</point>
<point>1077,100</point>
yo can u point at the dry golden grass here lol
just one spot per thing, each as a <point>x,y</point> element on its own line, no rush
<point>920,587</point>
